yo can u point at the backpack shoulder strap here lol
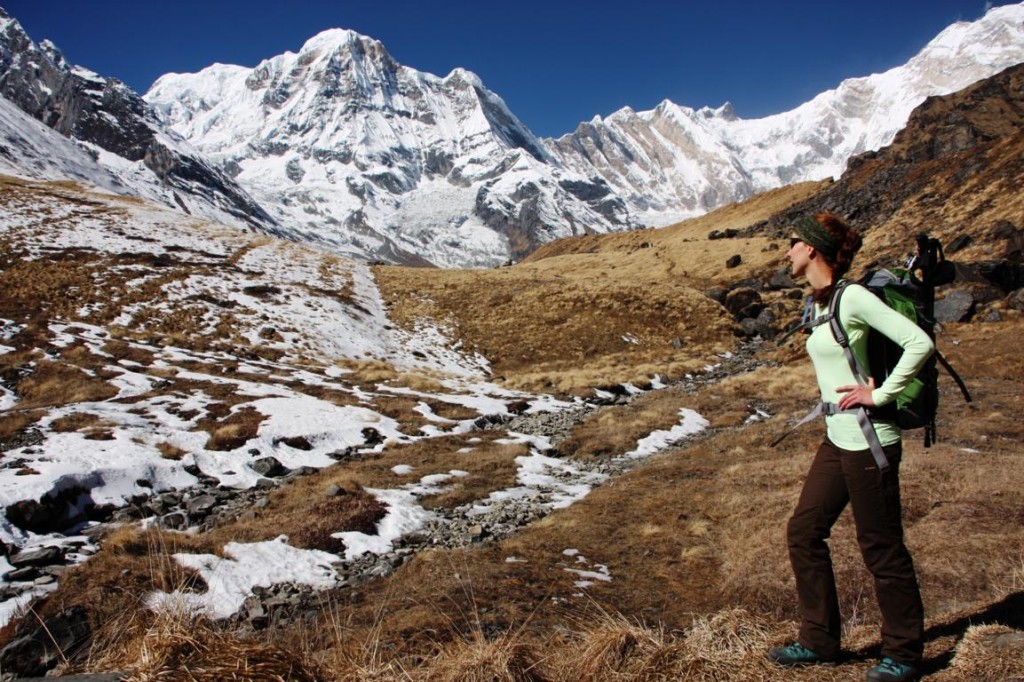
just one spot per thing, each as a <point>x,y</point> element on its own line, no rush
<point>860,374</point>
<point>807,323</point>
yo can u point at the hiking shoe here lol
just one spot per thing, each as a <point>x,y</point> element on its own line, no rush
<point>891,671</point>
<point>796,654</point>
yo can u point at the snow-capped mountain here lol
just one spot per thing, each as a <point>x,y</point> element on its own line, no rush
<point>341,146</point>
<point>367,157</point>
<point>675,162</point>
<point>98,130</point>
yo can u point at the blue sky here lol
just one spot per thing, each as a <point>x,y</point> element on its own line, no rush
<point>555,63</point>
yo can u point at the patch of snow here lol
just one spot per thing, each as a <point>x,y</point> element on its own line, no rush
<point>247,565</point>
<point>690,423</point>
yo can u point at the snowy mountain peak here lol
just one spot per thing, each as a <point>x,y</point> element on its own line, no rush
<point>461,75</point>
<point>336,38</point>
<point>106,133</point>
<point>348,149</point>
<point>673,162</point>
<point>374,159</point>
<point>725,111</point>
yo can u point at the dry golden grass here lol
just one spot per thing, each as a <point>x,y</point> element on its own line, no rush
<point>986,652</point>
<point>563,332</point>
<point>182,647</point>
<point>610,647</point>
<point>350,512</point>
<point>112,586</point>
<point>229,429</point>
<point>170,451</point>
<point>615,431</point>
<point>478,659</point>
<point>490,466</point>
<point>13,423</point>
<point>696,533</point>
<point>677,241</point>
<point>56,383</point>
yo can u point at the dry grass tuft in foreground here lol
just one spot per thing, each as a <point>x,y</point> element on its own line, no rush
<point>987,652</point>
<point>614,646</point>
<point>180,647</point>
<point>476,659</point>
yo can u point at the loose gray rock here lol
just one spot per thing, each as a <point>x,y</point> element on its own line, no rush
<point>957,306</point>
<point>44,556</point>
<point>781,279</point>
<point>743,302</point>
<point>22,574</point>
<point>201,505</point>
<point>717,294</point>
<point>733,261</point>
<point>174,521</point>
<point>1016,300</point>
<point>40,647</point>
<point>269,466</point>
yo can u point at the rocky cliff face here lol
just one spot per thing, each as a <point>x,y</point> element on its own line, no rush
<point>371,158</point>
<point>968,142</point>
<point>104,114</point>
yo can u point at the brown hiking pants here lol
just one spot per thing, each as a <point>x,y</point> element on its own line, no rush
<point>836,477</point>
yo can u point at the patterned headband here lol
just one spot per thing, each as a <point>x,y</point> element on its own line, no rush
<point>813,233</point>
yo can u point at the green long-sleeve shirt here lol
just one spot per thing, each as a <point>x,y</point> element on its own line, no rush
<point>860,310</point>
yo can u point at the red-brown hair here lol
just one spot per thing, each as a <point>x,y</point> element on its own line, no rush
<point>849,243</point>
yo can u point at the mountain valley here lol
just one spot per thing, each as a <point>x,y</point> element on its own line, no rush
<point>232,448</point>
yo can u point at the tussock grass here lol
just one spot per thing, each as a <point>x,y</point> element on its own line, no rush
<point>13,423</point>
<point>477,659</point>
<point>986,652</point>
<point>559,331</point>
<point>349,512</point>
<point>611,647</point>
<point>170,451</point>
<point>77,421</point>
<point>490,465</point>
<point>113,585</point>
<point>233,431</point>
<point>181,647</point>
<point>56,383</point>
<point>615,431</point>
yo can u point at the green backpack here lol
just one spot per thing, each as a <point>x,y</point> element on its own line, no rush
<point>910,292</point>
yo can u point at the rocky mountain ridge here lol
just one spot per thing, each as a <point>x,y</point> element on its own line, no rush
<point>133,153</point>
<point>952,147</point>
<point>675,162</point>
<point>375,159</point>
<point>340,146</point>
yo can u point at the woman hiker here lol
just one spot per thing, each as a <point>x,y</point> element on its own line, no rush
<point>845,470</point>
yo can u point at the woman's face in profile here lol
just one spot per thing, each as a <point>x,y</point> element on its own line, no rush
<point>799,256</point>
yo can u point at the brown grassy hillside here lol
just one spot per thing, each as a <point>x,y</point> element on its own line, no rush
<point>598,310</point>
<point>677,568</point>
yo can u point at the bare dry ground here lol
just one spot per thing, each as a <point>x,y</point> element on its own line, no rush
<point>698,534</point>
<point>597,310</point>
<point>684,556</point>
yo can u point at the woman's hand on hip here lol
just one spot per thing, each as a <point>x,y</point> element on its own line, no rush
<point>856,395</point>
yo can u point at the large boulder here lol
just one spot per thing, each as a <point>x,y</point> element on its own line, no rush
<point>269,466</point>
<point>743,302</point>
<point>39,646</point>
<point>957,306</point>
